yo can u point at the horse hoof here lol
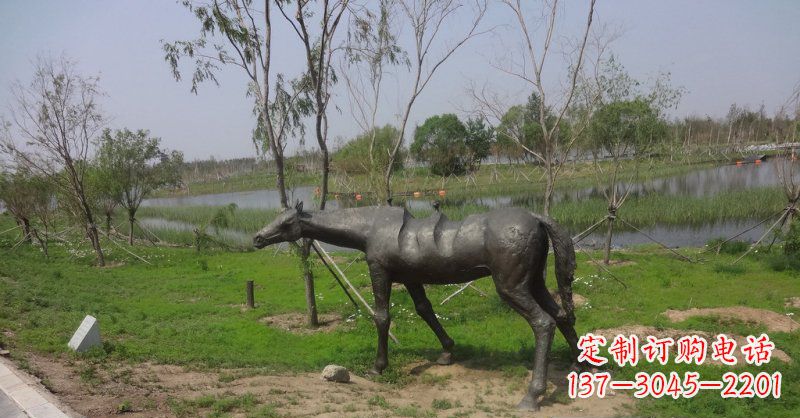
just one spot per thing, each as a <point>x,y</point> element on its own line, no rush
<point>528,404</point>
<point>445,359</point>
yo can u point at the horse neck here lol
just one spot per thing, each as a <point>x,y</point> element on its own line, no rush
<point>345,228</point>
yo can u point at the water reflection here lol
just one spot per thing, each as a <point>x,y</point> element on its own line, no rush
<point>699,183</point>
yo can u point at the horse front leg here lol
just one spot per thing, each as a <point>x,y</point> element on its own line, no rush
<point>425,311</point>
<point>381,289</point>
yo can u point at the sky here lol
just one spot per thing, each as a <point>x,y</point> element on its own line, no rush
<point>720,52</point>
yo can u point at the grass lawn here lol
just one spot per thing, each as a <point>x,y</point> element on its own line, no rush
<point>185,309</point>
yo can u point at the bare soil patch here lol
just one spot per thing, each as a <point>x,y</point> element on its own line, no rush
<point>298,323</point>
<point>642,332</point>
<point>774,321</point>
<point>456,389</point>
<point>577,299</point>
<point>793,302</point>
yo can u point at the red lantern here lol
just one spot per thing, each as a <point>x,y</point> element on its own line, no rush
<point>358,197</point>
<point>442,193</point>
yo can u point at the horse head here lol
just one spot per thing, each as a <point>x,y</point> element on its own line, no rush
<point>285,228</point>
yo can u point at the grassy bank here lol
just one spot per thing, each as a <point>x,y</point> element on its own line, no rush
<point>501,178</point>
<point>185,308</point>
<point>576,215</point>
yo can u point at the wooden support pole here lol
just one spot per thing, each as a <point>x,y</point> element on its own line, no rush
<point>251,300</point>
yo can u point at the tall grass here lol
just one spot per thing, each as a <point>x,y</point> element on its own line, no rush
<point>641,211</point>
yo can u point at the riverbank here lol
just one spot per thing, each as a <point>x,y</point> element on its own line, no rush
<point>180,320</point>
<point>722,214</point>
<point>502,178</point>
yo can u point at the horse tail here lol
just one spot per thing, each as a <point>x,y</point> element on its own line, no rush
<point>565,264</point>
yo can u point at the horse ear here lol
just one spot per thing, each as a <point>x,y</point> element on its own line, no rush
<point>299,206</point>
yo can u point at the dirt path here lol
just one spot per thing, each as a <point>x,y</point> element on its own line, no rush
<point>773,321</point>
<point>149,390</point>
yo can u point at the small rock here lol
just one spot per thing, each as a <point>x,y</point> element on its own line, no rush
<point>334,373</point>
<point>5,353</point>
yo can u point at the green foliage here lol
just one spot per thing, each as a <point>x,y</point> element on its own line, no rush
<point>479,141</point>
<point>520,124</point>
<point>130,165</point>
<point>728,247</point>
<point>450,147</point>
<point>441,404</point>
<point>124,407</point>
<point>626,126</point>
<point>222,218</point>
<point>354,156</point>
<point>26,195</point>
<point>791,240</point>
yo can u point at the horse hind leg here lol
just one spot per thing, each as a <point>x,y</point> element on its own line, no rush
<point>518,295</point>
<point>564,323</point>
<point>425,311</point>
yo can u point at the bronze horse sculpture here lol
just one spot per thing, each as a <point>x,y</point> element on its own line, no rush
<point>509,244</point>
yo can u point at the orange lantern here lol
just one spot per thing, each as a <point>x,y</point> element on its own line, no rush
<point>758,161</point>
<point>417,194</point>
<point>442,193</point>
<point>317,191</point>
<point>738,163</point>
<point>358,197</point>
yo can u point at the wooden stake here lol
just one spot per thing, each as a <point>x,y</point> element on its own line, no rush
<point>251,301</point>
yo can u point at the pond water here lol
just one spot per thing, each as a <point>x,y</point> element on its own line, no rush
<point>698,183</point>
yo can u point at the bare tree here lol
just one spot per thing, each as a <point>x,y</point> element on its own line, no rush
<point>279,105</point>
<point>428,19</point>
<point>318,80</point>
<point>556,143</point>
<point>58,116</point>
<point>246,43</point>
<point>370,49</point>
<point>788,170</point>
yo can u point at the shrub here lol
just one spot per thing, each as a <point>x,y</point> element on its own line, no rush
<point>353,157</point>
<point>730,247</point>
<point>791,241</point>
<point>782,262</point>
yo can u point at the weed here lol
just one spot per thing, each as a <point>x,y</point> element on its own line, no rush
<point>125,406</point>
<point>441,404</point>
<point>378,400</point>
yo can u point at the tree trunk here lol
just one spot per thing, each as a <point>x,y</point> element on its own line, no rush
<point>548,190</point>
<point>281,180</point>
<point>308,275</point>
<point>26,229</point>
<point>131,221</point>
<point>108,222</point>
<point>609,233</point>
<point>94,238</point>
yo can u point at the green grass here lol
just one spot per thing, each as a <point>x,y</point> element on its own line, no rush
<point>511,177</point>
<point>575,215</point>
<point>184,309</point>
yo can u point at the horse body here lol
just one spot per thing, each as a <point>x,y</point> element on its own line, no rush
<point>510,244</point>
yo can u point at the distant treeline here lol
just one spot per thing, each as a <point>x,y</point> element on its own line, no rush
<point>690,135</point>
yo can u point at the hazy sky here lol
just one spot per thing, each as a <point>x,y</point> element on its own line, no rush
<point>722,52</point>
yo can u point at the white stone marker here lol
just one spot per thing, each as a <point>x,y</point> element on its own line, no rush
<point>87,335</point>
